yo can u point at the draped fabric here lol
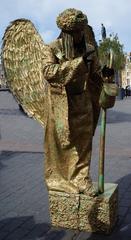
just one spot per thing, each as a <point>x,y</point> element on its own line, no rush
<point>73,114</point>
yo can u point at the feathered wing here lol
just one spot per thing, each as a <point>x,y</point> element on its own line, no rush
<point>22,61</point>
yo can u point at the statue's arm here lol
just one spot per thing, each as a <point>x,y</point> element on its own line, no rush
<point>61,72</point>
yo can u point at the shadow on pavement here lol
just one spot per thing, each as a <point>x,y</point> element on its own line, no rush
<point>116,117</point>
<point>5,155</point>
<point>1,165</point>
<point>26,228</point>
<point>12,112</point>
<point>8,155</point>
<point>18,227</point>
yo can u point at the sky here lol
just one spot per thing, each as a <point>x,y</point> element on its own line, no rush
<point>114,14</point>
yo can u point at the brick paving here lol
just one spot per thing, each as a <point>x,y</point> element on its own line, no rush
<point>24,213</point>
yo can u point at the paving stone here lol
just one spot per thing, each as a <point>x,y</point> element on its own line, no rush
<point>54,234</point>
<point>3,235</point>
<point>125,202</point>
<point>38,231</point>
<point>123,210</point>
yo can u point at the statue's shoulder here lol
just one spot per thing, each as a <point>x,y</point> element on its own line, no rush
<point>56,47</point>
<point>57,44</point>
<point>90,36</point>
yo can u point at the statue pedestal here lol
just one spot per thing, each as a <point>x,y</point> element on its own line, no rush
<point>78,211</point>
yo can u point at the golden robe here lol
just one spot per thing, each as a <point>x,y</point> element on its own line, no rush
<point>73,114</point>
<point>68,106</point>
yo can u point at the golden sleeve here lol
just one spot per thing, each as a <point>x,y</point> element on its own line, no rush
<point>61,73</point>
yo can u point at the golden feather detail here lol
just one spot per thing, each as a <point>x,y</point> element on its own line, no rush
<point>22,61</point>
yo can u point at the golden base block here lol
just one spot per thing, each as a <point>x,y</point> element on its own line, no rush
<point>84,213</point>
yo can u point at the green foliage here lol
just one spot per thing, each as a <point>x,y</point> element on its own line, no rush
<point>112,43</point>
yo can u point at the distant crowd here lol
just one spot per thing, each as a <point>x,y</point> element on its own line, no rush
<point>125,92</point>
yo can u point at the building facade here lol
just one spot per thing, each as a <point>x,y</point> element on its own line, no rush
<point>126,72</point>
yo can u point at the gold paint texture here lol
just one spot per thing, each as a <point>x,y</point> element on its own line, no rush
<point>73,115</point>
<point>84,213</point>
<point>22,60</point>
<point>63,95</point>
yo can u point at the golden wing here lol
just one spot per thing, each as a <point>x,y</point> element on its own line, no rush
<point>22,61</point>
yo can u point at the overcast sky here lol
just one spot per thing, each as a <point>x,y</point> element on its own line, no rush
<point>115,14</point>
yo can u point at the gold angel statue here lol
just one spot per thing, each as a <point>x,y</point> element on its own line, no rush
<point>59,85</point>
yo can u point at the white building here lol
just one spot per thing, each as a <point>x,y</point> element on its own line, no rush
<point>126,72</point>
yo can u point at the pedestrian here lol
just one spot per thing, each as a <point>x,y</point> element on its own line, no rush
<point>123,92</point>
<point>126,91</point>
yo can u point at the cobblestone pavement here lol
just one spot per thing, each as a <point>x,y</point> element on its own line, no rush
<point>24,213</point>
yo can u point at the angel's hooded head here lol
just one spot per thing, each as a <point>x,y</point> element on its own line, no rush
<point>71,20</point>
<point>72,23</point>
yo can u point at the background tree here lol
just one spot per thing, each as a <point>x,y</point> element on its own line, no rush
<point>112,43</point>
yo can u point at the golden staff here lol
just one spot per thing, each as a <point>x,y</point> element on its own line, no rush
<point>102,138</point>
